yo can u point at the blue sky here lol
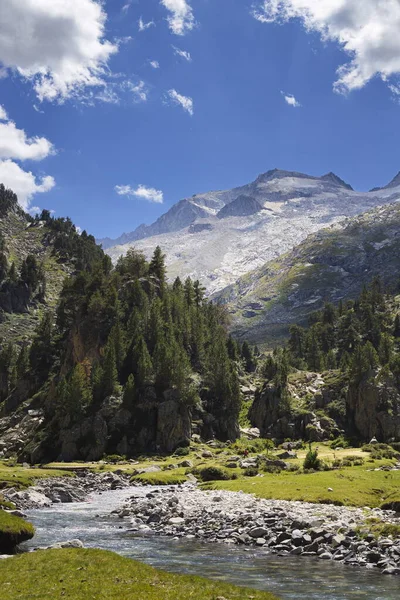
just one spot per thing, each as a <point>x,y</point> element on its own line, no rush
<point>262,87</point>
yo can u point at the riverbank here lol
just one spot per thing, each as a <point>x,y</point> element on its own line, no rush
<point>342,534</point>
<point>80,574</point>
<point>55,490</point>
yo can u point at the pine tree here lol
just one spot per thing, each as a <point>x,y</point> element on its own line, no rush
<point>23,363</point>
<point>198,291</point>
<point>386,348</point>
<point>12,273</point>
<point>116,338</point>
<point>232,348</point>
<point>331,362</point>
<point>41,355</point>
<point>396,327</point>
<point>157,266</point>
<point>189,291</point>
<point>80,393</point>
<point>142,364</point>
<point>110,372</point>
<point>248,358</point>
<point>129,392</point>
<point>97,375</point>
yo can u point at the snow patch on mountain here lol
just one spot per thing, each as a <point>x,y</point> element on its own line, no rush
<point>206,239</point>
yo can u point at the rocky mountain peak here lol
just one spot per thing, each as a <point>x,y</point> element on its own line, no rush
<point>332,178</point>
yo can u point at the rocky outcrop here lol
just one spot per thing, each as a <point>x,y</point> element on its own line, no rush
<point>112,429</point>
<point>374,409</point>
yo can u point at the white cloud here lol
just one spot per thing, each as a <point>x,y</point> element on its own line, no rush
<point>291,100</point>
<point>126,6</point>
<point>23,183</point>
<point>143,26</point>
<point>138,90</point>
<point>184,101</point>
<point>34,210</point>
<point>367,30</point>
<point>143,192</point>
<point>57,44</point>
<point>155,64</point>
<point>181,19</point>
<point>182,53</point>
<point>15,144</point>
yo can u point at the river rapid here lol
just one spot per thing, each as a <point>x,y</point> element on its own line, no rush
<point>290,578</point>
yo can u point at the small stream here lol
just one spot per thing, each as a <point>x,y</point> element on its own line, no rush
<point>290,578</point>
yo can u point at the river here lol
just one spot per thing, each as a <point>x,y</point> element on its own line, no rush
<point>290,578</point>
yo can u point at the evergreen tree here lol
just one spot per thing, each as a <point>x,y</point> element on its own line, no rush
<point>79,394</point>
<point>331,362</point>
<point>110,372</point>
<point>142,364</point>
<point>116,338</point>
<point>232,347</point>
<point>129,397</point>
<point>157,266</point>
<point>41,355</point>
<point>248,358</point>
<point>396,327</point>
<point>386,348</point>
<point>23,363</point>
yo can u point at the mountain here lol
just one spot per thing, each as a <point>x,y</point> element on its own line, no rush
<point>330,265</point>
<point>219,236</point>
<point>36,255</point>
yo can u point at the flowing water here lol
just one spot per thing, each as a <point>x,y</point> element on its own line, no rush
<point>291,578</point>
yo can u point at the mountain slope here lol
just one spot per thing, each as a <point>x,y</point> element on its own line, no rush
<point>53,250</point>
<point>330,265</point>
<point>217,237</point>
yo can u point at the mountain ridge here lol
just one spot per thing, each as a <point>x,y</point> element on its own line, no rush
<point>144,231</point>
<point>332,264</point>
<point>219,236</point>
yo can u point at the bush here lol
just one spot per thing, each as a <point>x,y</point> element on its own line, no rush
<point>250,472</point>
<point>311,461</point>
<point>115,458</point>
<point>380,451</point>
<point>182,451</point>
<point>214,474</point>
<point>340,442</point>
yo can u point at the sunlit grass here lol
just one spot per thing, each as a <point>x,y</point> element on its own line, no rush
<point>80,574</point>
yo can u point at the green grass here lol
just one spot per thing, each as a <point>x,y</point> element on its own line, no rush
<point>380,529</point>
<point>173,477</point>
<point>352,486</point>
<point>80,574</point>
<point>21,477</point>
<point>6,504</point>
<point>13,531</point>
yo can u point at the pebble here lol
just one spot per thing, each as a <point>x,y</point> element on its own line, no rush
<point>282,527</point>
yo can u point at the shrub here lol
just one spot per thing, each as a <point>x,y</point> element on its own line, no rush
<point>183,451</point>
<point>311,461</point>
<point>214,474</point>
<point>115,458</point>
<point>250,472</point>
<point>339,442</point>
